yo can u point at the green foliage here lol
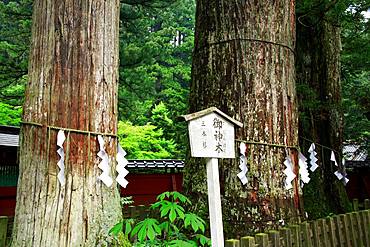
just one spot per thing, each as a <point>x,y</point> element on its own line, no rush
<point>160,117</point>
<point>116,229</point>
<point>155,54</point>
<point>147,229</point>
<point>316,21</point>
<point>156,41</point>
<point>356,104</point>
<point>176,226</point>
<point>355,64</point>
<point>15,35</point>
<point>144,142</point>
<point>10,115</point>
<point>356,76</point>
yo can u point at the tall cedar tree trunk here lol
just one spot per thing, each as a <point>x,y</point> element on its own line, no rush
<point>243,63</point>
<point>321,120</point>
<point>72,84</point>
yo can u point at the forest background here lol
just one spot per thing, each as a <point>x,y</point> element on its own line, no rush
<point>156,43</point>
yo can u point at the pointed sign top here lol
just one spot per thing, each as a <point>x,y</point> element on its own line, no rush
<point>207,111</point>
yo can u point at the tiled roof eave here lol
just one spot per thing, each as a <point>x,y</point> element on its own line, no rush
<point>155,164</point>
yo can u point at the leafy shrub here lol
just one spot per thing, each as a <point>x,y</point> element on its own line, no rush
<point>175,226</point>
<point>144,142</point>
<point>10,115</point>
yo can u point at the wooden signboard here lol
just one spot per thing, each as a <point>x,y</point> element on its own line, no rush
<point>211,134</point>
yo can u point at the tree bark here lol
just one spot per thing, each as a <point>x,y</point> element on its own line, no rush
<point>243,63</point>
<point>321,118</point>
<point>72,84</point>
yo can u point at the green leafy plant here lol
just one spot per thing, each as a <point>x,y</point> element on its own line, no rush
<point>175,226</point>
<point>10,115</point>
<point>144,142</point>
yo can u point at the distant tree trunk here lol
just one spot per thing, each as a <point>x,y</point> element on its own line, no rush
<point>72,84</point>
<point>321,118</point>
<point>243,63</point>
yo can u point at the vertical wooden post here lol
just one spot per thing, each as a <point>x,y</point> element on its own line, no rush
<point>274,238</point>
<point>248,241</point>
<point>345,222</point>
<point>141,212</point>
<point>355,204</point>
<point>353,229</point>
<point>324,232</point>
<point>366,217</point>
<point>315,234</point>
<point>295,235</point>
<point>331,229</point>
<point>232,243</point>
<point>339,231</point>
<point>211,136</point>
<point>367,204</point>
<point>306,236</point>
<point>132,211</point>
<point>262,239</point>
<point>287,237</point>
<point>359,228</point>
<point>365,226</point>
<point>3,230</point>
<point>214,203</point>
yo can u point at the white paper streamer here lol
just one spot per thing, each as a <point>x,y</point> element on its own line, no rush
<point>289,173</point>
<point>339,175</point>
<point>121,164</point>
<point>243,164</point>
<point>313,159</point>
<point>303,171</point>
<point>332,158</point>
<point>104,164</point>
<point>60,140</point>
<point>342,176</point>
<point>345,180</point>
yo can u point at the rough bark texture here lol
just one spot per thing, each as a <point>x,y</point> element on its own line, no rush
<point>318,80</point>
<point>73,84</point>
<point>243,63</point>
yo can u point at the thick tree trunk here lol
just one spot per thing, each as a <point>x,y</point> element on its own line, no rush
<point>243,64</point>
<point>318,80</point>
<point>72,84</point>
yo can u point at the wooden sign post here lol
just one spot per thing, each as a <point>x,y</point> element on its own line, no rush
<point>212,136</point>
